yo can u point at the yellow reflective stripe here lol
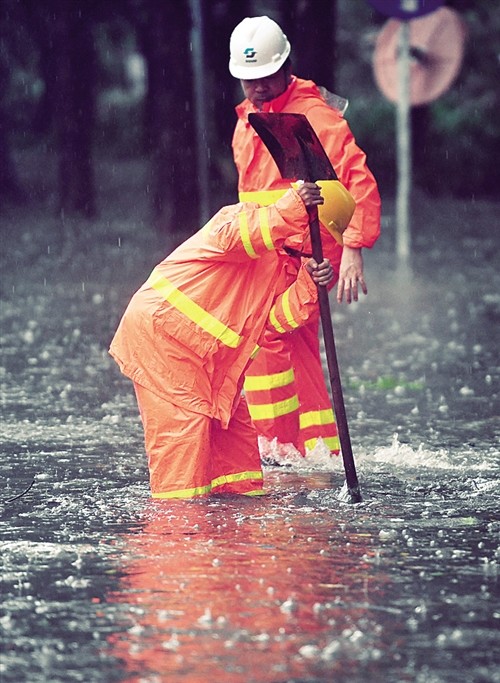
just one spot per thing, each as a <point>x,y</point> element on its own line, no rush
<point>274,320</point>
<point>264,197</point>
<point>268,411</point>
<point>332,442</point>
<point>255,351</point>
<point>265,230</point>
<point>184,493</point>
<point>219,481</point>
<point>245,235</point>
<point>316,417</point>
<point>193,311</point>
<point>239,476</point>
<point>255,492</point>
<point>260,382</point>
<point>285,302</point>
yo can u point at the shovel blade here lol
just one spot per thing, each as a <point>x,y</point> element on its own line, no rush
<point>294,146</point>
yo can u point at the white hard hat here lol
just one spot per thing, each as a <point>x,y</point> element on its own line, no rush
<point>258,48</point>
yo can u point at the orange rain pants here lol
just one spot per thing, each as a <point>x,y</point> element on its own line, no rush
<point>191,455</point>
<point>287,395</point>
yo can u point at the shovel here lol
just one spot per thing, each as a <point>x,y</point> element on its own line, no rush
<point>298,153</point>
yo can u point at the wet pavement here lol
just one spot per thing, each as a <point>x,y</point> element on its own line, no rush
<point>102,584</point>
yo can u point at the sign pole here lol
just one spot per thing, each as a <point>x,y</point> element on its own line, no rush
<point>404,151</point>
<point>411,76</point>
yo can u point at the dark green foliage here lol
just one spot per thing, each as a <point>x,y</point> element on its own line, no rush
<point>66,86</point>
<point>456,139</point>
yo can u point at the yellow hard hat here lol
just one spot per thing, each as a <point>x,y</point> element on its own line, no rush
<point>336,213</point>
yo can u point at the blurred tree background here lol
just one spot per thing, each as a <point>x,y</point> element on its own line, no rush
<point>91,90</point>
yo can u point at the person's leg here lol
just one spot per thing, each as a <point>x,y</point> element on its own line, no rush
<point>271,393</point>
<point>178,447</point>
<point>316,417</point>
<point>286,392</point>
<point>236,465</point>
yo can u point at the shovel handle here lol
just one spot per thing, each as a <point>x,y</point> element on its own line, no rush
<point>333,366</point>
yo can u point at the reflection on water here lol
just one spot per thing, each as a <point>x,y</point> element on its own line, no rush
<point>248,591</point>
<point>102,584</point>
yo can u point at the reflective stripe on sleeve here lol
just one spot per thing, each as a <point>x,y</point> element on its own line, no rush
<point>287,311</point>
<point>287,316</point>
<point>245,235</point>
<point>264,228</point>
<point>193,311</point>
<point>274,321</point>
<point>265,232</point>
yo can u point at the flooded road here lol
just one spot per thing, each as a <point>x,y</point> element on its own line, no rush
<point>100,583</point>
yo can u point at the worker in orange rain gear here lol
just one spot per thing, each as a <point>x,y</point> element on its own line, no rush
<point>285,386</point>
<point>190,331</point>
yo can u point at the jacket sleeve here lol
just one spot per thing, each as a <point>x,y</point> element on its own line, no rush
<point>349,162</point>
<point>247,230</point>
<point>295,306</point>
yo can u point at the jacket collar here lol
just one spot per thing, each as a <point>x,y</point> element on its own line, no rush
<point>274,106</point>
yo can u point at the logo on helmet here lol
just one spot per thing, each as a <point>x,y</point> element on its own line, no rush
<point>249,53</point>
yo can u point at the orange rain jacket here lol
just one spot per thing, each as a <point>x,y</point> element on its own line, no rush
<point>190,331</point>
<point>285,387</point>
